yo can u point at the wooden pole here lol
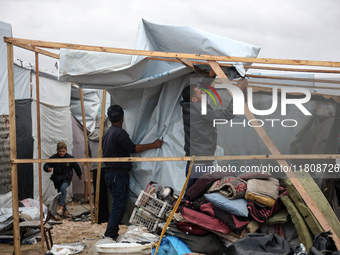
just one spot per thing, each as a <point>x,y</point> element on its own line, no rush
<point>100,152</point>
<point>86,151</point>
<point>37,90</point>
<point>13,149</point>
<point>198,158</point>
<point>55,45</point>
<point>272,148</point>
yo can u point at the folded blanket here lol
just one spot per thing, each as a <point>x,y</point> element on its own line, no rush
<point>261,214</point>
<point>263,191</point>
<point>203,220</point>
<point>199,188</point>
<point>230,187</point>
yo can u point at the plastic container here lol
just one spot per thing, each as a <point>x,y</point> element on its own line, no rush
<point>123,248</point>
<point>153,205</point>
<point>142,217</point>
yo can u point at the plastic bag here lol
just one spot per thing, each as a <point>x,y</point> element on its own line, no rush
<point>68,248</point>
<point>138,234</point>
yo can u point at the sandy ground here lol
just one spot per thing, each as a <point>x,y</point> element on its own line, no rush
<point>67,232</point>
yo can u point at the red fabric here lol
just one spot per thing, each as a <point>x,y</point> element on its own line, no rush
<point>188,227</point>
<point>204,220</point>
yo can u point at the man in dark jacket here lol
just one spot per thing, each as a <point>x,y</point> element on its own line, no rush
<point>117,143</point>
<point>62,175</point>
<point>200,134</point>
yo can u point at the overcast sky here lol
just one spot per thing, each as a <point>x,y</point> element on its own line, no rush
<point>289,29</point>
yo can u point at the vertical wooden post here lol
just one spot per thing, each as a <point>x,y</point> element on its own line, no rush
<point>37,91</point>
<point>100,152</point>
<point>86,151</point>
<point>13,148</point>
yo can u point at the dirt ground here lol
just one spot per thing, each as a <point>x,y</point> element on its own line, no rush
<point>67,232</point>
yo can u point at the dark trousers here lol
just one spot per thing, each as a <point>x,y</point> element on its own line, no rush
<point>118,185</point>
<point>103,210</point>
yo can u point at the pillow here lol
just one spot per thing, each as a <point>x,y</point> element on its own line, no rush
<point>236,206</point>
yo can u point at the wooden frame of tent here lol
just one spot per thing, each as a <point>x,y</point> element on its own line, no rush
<point>211,60</point>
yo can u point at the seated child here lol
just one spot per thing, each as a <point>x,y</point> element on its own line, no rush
<point>62,175</point>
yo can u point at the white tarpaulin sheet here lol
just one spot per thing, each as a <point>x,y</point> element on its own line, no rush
<point>150,91</point>
<point>5,30</point>
<point>55,126</point>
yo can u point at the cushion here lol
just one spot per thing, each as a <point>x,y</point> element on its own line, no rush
<point>236,206</point>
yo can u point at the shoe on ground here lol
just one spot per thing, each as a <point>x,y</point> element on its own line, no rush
<point>67,215</point>
<point>60,213</point>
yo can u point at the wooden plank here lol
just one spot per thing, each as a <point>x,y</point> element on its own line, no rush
<point>55,45</point>
<point>292,78</point>
<point>89,188</point>
<point>41,51</point>
<point>307,215</point>
<point>191,65</point>
<point>254,67</point>
<point>37,90</point>
<point>199,158</point>
<point>286,85</point>
<point>100,152</point>
<point>320,200</point>
<point>13,148</point>
<point>273,149</point>
<point>304,234</point>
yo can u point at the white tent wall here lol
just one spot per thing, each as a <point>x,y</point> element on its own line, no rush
<point>22,91</point>
<point>5,30</point>
<point>55,126</point>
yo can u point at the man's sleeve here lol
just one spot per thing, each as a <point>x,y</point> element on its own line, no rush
<point>126,143</point>
<point>226,113</point>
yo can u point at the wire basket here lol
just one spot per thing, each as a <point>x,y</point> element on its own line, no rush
<point>152,204</point>
<point>141,217</point>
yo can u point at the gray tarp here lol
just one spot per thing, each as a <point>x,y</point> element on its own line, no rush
<point>150,91</point>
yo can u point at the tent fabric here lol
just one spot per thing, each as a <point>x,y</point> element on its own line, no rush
<point>150,91</point>
<point>52,92</point>
<point>92,106</point>
<point>22,82</point>
<point>55,127</point>
<point>5,30</point>
<point>96,68</point>
<point>24,147</point>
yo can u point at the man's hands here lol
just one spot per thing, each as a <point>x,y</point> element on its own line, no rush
<point>143,147</point>
<point>80,177</point>
<point>157,143</point>
<point>242,84</point>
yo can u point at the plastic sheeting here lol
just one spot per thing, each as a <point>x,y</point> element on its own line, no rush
<point>56,126</point>
<point>24,147</point>
<point>5,30</point>
<point>150,91</point>
<point>95,68</point>
<point>91,105</point>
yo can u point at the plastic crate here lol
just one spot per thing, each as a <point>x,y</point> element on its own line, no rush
<point>152,204</point>
<point>141,217</point>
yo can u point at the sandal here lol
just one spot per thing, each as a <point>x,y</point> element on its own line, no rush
<point>60,212</point>
<point>67,215</point>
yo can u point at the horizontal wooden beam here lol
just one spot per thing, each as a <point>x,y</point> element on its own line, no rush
<point>293,79</point>
<point>56,45</point>
<point>200,158</point>
<point>254,83</point>
<point>41,51</point>
<point>256,67</point>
